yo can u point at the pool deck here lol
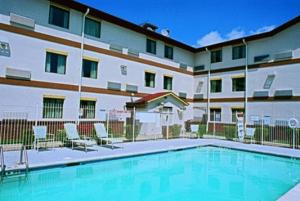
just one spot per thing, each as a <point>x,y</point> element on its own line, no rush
<point>65,156</point>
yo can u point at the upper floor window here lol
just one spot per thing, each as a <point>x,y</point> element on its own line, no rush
<point>168,82</point>
<point>216,56</point>
<point>216,86</point>
<point>149,79</point>
<point>59,17</point>
<point>89,68</point>
<point>238,84</point>
<point>151,46</point>
<point>53,108</point>
<point>92,27</point>
<point>168,52</point>
<point>55,63</point>
<point>238,52</point>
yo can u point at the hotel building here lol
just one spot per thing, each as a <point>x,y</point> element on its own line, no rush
<point>67,54</point>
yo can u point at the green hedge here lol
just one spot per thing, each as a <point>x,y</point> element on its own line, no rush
<point>258,132</point>
<point>201,130</point>
<point>230,132</point>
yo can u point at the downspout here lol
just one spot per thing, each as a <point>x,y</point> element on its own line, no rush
<point>246,86</point>
<point>208,91</point>
<point>81,60</point>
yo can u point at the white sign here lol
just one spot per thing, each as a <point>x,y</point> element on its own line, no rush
<point>240,125</point>
<point>293,122</point>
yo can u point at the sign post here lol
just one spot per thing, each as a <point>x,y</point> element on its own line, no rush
<point>293,123</point>
<point>240,126</point>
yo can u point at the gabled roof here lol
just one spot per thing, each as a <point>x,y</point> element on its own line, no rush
<point>153,97</point>
<point>134,27</point>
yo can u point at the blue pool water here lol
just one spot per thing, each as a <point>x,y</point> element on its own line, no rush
<point>206,173</point>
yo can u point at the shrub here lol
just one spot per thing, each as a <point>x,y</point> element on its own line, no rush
<point>230,132</point>
<point>258,132</point>
<point>60,135</point>
<point>129,132</point>
<point>201,130</point>
<point>175,130</point>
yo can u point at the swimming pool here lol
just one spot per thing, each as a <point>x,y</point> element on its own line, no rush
<point>206,173</point>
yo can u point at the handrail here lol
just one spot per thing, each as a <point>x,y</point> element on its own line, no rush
<point>2,172</point>
<point>24,157</point>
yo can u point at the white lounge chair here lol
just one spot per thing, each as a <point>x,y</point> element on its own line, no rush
<point>74,138</point>
<point>102,135</point>
<point>40,135</point>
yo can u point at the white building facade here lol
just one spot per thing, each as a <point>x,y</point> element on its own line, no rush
<point>45,62</point>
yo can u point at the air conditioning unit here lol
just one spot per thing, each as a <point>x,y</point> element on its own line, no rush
<point>199,68</point>
<point>283,55</point>
<point>21,20</point>
<point>261,58</point>
<point>116,48</point>
<point>17,74</point>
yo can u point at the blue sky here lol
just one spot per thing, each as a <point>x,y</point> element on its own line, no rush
<point>202,22</point>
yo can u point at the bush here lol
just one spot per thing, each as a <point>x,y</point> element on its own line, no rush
<point>60,135</point>
<point>258,132</point>
<point>230,132</point>
<point>201,130</point>
<point>129,132</point>
<point>175,130</point>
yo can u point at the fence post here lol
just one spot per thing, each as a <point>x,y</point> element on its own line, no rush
<point>293,138</point>
<point>107,121</point>
<point>133,124</point>
<point>262,130</point>
<point>214,123</point>
<point>36,114</point>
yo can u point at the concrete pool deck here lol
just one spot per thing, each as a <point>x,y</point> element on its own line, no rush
<point>67,156</point>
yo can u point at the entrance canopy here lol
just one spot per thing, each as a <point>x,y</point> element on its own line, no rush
<point>157,99</point>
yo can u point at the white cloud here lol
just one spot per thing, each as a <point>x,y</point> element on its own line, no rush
<point>210,38</point>
<point>263,29</point>
<point>235,33</point>
<point>214,37</point>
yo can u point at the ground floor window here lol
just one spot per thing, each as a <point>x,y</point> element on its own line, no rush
<point>234,111</point>
<point>53,108</point>
<point>87,109</point>
<point>215,114</point>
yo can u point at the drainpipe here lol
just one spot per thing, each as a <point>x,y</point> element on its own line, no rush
<point>81,62</point>
<point>246,86</point>
<point>208,91</point>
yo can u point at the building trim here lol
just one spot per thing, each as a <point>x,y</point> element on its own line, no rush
<point>251,66</point>
<point>51,50</point>
<point>75,44</point>
<point>68,87</point>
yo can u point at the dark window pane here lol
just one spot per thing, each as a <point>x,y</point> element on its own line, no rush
<point>92,27</point>
<point>59,17</point>
<point>53,108</point>
<point>149,79</point>
<point>239,52</point>
<point>215,114</point>
<point>168,83</point>
<point>216,56</point>
<point>238,84</point>
<point>151,46</point>
<point>216,86</point>
<point>168,52</point>
<point>55,63</point>
<point>89,69</point>
<point>87,109</point>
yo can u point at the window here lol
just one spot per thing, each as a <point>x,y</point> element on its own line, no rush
<point>269,81</point>
<point>149,79</point>
<point>123,70</point>
<point>168,82</point>
<point>215,114</point>
<point>216,56</point>
<point>92,27</point>
<point>55,63</point>
<point>59,17</point>
<point>238,84</point>
<point>239,52</point>
<point>87,109</point>
<point>215,86</point>
<point>89,68</point>
<point>234,111</point>
<point>53,108</point>
<point>199,87</point>
<point>151,46</point>
<point>168,52</point>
